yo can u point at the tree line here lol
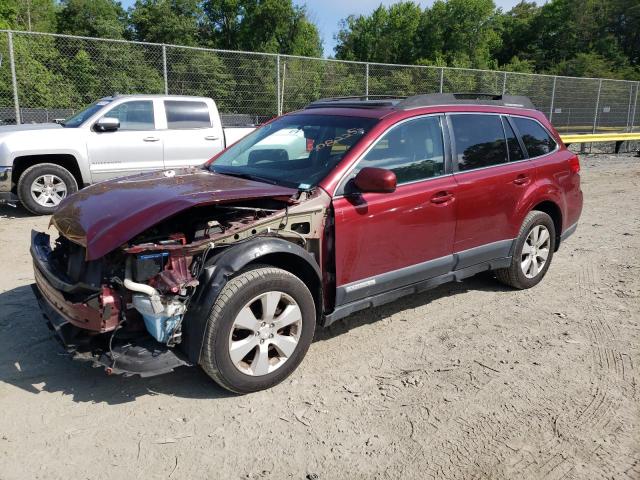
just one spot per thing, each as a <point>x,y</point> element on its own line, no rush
<point>585,38</point>
<point>274,26</point>
<point>597,38</point>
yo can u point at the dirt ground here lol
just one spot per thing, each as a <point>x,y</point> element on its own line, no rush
<point>468,381</point>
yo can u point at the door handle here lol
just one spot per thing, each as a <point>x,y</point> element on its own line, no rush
<point>211,137</point>
<point>442,197</point>
<point>150,139</point>
<point>521,180</point>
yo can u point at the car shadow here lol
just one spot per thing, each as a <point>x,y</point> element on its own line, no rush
<point>32,360</point>
<point>7,211</point>
<point>484,281</point>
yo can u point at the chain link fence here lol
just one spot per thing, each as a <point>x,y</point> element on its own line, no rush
<point>45,77</point>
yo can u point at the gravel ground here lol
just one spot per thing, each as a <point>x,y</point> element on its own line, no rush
<point>467,381</point>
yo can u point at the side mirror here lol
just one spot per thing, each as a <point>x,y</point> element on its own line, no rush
<point>375,180</point>
<point>107,124</point>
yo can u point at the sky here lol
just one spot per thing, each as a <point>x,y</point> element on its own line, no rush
<point>326,14</point>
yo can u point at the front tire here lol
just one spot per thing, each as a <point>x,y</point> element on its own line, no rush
<point>533,252</point>
<point>42,187</point>
<point>259,330</point>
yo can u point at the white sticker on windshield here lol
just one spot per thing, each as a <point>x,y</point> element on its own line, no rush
<point>304,186</point>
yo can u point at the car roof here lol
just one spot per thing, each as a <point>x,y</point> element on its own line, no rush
<point>145,95</point>
<point>381,106</point>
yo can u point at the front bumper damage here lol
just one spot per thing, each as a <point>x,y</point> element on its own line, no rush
<point>92,334</point>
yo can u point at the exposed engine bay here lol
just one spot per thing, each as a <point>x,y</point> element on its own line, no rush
<point>130,304</point>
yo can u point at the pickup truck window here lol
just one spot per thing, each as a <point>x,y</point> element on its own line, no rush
<point>295,150</point>
<point>187,114</point>
<point>79,118</point>
<point>134,115</point>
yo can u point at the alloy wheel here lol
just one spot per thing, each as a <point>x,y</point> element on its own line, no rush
<point>48,190</point>
<point>265,333</point>
<point>535,251</point>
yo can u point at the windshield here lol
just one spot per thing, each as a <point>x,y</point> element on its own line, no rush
<point>79,118</point>
<point>296,150</point>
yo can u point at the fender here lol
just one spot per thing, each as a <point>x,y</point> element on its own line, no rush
<point>542,191</point>
<point>217,272</point>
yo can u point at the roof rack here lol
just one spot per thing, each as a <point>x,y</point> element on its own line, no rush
<point>466,99</point>
<point>359,101</point>
<point>426,100</point>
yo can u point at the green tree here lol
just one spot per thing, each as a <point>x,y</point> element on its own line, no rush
<point>461,30</point>
<point>515,28</point>
<point>92,18</point>
<point>275,26</point>
<point>31,15</point>
<point>388,35</point>
<point>167,21</point>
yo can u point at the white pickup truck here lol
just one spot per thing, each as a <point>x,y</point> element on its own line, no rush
<point>40,164</point>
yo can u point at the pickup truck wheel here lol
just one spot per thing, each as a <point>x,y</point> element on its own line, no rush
<point>533,252</point>
<point>259,330</point>
<point>42,187</point>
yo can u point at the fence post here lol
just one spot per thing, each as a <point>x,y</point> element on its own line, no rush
<point>629,109</point>
<point>14,80</point>
<point>441,78</point>
<point>366,81</point>
<point>553,99</point>
<point>635,105</point>
<point>595,117</point>
<point>164,69</point>
<point>504,84</point>
<point>278,100</point>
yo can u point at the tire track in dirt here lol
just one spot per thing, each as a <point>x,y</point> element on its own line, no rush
<point>608,370</point>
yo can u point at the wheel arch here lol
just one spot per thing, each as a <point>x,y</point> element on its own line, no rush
<point>64,160</point>
<point>272,251</point>
<point>552,209</point>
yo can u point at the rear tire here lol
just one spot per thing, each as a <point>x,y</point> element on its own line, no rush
<point>42,187</point>
<point>259,330</point>
<point>533,252</point>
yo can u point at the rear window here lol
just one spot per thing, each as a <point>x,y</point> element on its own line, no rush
<point>187,114</point>
<point>536,139</point>
<point>479,141</point>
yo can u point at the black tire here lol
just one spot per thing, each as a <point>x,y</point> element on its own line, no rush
<point>513,276</point>
<point>241,289</point>
<point>31,174</point>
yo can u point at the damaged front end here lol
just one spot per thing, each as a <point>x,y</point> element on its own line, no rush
<point>126,310</point>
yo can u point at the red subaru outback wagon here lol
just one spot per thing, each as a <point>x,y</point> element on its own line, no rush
<point>347,204</point>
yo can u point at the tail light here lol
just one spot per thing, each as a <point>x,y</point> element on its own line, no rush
<point>309,144</point>
<point>574,164</point>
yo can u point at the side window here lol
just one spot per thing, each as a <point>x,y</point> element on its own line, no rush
<point>134,115</point>
<point>187,114</point>
<point>413,150</point>
<point>479,141</point>
<point>515,150</point>
<point>536,139</point>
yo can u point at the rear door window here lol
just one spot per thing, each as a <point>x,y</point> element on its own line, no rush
<point>187,114</point>
<point>536,139</point>
<point>413,150</point>
<point>479,141</point>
